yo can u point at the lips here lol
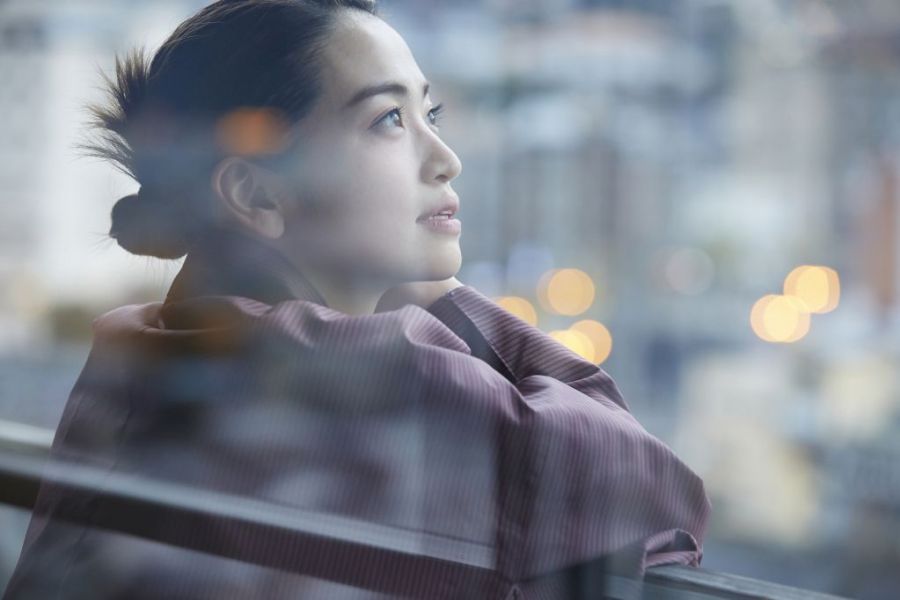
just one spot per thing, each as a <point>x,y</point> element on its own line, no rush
<point>445,209</point>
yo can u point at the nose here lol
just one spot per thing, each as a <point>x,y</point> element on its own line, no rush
<point>441,164</point>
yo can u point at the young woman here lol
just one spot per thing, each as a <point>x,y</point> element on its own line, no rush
<point>316,353</point>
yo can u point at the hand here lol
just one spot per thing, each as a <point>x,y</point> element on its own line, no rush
<point>128,320</point>
<point>420,293</point>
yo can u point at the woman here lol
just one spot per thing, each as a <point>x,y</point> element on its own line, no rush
<point>316,352</point>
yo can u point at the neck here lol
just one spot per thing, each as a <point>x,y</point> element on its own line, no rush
<point>352,297</point>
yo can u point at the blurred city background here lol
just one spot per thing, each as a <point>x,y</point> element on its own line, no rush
<point>701,195</point>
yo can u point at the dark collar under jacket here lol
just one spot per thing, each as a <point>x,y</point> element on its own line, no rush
<point>230,263</point>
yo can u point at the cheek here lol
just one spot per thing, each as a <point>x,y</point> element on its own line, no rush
<point>378,202</point>
<point>365,214</point>
<point>369,222</point>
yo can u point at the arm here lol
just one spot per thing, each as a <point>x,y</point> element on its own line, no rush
<point>605,487</point>
<point>602,483</point>
<point>518,350</point>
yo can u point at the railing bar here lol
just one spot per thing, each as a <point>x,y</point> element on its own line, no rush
<point>168,496</point>
<point>654,588</point>
<point>132,505</point>
<point>741,587</point>
<point>22,436</point>
<point>315,544</point>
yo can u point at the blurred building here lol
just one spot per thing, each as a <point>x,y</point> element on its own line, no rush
<point>54,214</point>
<point>24,103</point>
<point>686,154</point>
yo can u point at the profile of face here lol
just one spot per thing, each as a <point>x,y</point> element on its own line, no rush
<point>366,169</point>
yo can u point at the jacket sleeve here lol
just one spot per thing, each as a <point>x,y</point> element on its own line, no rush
<point>601,484</point>
<point>518,350</point>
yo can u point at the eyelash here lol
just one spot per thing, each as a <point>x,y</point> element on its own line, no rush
<point>436,112</point>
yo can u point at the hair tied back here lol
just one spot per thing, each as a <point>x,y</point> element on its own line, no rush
<point>146,226</point>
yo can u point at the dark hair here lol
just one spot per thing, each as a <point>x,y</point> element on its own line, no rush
<point>162,123</point>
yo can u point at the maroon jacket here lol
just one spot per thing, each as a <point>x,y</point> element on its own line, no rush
<point>460,426</point>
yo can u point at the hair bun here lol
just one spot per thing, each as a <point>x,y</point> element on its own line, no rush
<point>145,226</point>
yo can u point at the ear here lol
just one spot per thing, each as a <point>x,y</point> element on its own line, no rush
<point>247,196</point>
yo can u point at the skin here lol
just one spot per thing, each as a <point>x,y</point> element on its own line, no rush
<point>344,211</point>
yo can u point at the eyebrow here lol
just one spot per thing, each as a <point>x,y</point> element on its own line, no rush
<point>389,87</point>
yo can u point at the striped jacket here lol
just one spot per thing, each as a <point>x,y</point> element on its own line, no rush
<point>447,452</point>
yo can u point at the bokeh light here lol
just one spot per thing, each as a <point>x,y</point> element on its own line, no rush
<point>567,292</point>
<point>600,337</point>
<point>576,341</point>
<point>689,271</point>
<point>520,307</point>
<point>816,286</point>
<point>252,131</point>
<point>779,319</point>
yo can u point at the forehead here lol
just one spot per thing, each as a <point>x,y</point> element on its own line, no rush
<point>364,50</point>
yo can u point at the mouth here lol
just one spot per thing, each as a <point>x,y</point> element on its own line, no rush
<point>441,216</point>
<point>443,211</point>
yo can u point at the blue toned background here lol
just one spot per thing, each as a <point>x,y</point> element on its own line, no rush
<point>685,156</point>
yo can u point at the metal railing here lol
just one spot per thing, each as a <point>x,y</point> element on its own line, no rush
<point>131,505</point>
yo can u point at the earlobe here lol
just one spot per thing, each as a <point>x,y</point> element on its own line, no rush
<point>243,196</point>
<point>271,224</point>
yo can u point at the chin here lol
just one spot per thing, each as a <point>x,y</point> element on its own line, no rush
<point>445,265</point>
<point>437,268</point>
<point>435,265</point>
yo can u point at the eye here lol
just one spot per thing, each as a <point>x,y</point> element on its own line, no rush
<point>388,117</point>
<point>434,115</point>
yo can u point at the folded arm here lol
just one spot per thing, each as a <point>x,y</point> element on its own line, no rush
<point>601,482</point>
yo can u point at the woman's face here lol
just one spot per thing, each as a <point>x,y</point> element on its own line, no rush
<point>365,173</point>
